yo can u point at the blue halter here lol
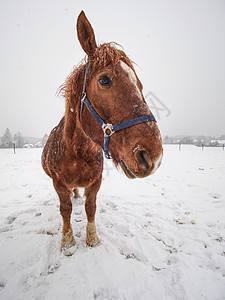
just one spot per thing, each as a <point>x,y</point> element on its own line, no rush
<point>109,129</point>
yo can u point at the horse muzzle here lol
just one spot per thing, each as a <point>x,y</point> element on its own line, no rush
<point>144,165</point>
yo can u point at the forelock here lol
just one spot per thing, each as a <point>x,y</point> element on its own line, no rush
<point>108,54</point>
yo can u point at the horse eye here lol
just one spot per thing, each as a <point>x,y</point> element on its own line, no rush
<point>105,81</point>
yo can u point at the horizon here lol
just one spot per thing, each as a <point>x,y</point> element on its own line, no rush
<point>163,136</point>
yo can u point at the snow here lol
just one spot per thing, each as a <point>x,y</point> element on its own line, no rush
<point>162,237</point>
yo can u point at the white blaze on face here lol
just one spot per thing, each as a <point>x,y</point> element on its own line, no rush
<point>132,77</point>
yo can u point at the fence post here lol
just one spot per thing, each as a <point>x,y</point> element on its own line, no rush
<point>14,148</point>
<point>179,146</point>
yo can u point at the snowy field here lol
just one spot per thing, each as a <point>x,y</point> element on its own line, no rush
<point>162,237</point>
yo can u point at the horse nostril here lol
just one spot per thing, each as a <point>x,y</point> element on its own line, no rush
<point>142,157</point>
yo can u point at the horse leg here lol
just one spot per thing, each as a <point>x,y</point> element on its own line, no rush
<point>65,209</point>
<point>76,193</point>
<point>90,208</point>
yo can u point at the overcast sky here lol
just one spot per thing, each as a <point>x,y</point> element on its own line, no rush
<point>178,46</point>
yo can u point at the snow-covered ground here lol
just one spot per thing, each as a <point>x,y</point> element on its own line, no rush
<point>162,237</point>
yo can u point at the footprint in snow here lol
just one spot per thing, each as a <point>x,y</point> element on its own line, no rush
<point>69,251</point>
<point>215,196</point>
<point>48,232</point>
<point>219,239</point>
<point>111,205</point>
<point>2,284</point>
<point>104,294</point>
<point>130,256</point>
<point>5,229</point>
<point>78,201</point>
<point>53,268</point>
<point>47,203</point>
<point>11,219</point>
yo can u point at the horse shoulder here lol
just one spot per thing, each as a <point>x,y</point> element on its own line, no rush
<point>54,149</point>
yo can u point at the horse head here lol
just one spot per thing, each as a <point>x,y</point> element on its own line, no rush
<point>116,95</point>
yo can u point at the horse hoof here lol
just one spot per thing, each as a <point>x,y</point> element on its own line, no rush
<point>68,240</point>
<point>92,242</point>
<point>92,239</point>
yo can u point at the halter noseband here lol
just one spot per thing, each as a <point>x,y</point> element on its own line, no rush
<point>109,129</point>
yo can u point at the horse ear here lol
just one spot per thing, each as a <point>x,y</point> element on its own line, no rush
<point>86,34</point>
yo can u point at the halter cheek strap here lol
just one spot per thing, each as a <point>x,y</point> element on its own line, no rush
<point>109,129</point>
<point>84,90</point>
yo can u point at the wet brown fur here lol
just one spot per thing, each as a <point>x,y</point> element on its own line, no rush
<point>72,156</point>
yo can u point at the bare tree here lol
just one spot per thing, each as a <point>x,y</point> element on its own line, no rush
<point>7,139</point>
<point>19,140</point>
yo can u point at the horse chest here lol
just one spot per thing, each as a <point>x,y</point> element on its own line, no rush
<point>81,173</point>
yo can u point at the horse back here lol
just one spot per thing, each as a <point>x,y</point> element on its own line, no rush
<point>54,149</point>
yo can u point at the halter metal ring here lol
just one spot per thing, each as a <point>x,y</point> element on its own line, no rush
<point>108,129</point>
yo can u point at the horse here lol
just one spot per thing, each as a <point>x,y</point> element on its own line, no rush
<point>105,113</point>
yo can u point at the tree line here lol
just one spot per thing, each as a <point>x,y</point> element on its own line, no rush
<point>19,141</point>
<point>195,140</point>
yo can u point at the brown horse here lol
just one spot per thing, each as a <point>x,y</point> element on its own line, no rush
<point>107,84</point>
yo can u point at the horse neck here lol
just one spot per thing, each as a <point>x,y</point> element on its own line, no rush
<point>75,138</point>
